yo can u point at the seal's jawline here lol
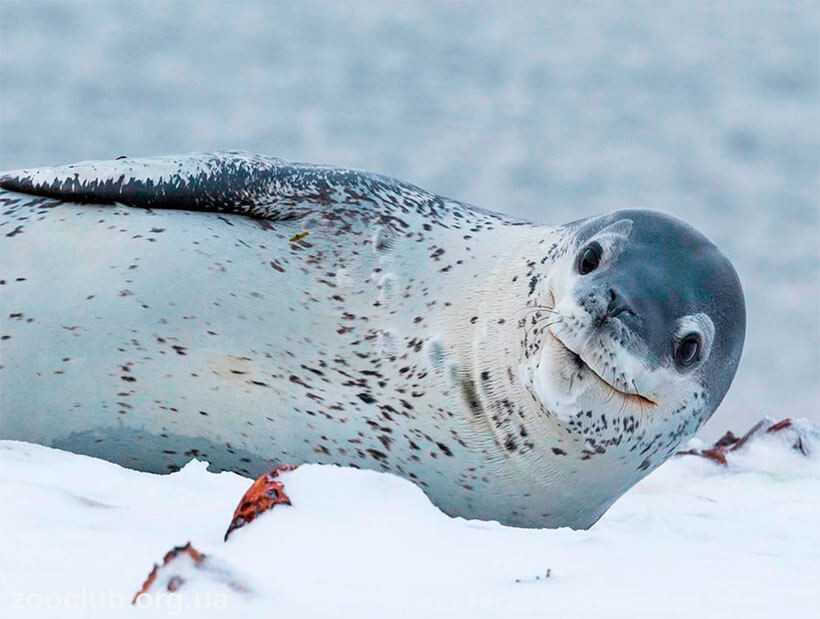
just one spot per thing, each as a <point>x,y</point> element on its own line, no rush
<point>636,397</point>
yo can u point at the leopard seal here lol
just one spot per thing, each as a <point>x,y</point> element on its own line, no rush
<point>250,311</point>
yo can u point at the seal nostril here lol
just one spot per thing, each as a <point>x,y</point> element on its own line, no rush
<point>613,302</point>
<point>617,305</point>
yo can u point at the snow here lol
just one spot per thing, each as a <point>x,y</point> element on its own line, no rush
<point>694,539</point>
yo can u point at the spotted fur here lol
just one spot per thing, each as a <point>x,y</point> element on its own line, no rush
<point>253,312</point>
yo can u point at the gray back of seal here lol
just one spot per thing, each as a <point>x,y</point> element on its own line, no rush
<point>237,182</point>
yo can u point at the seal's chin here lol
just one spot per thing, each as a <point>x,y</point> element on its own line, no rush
<point>581,364</point>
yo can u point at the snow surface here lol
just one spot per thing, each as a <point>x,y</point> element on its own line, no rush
<point>693,540</point>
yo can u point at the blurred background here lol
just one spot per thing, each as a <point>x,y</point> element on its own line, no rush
<point>547,110</point>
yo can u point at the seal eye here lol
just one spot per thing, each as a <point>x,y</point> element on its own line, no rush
<point>589,258</point>
<point>688,350</point>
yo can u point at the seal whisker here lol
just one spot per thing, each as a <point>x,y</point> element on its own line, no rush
<point>624,400</point>
<point>537,308</point>
<point>543,323</point>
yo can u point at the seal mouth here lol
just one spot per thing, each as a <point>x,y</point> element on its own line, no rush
<point>579,361</point>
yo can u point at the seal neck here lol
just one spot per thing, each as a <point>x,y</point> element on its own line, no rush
<point>497,397</point>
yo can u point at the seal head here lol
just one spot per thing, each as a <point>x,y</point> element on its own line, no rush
<point>646,308</point>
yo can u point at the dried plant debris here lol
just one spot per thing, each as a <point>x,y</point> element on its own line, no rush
<point>537,578</point>
<point>729,442</point>
<point>182,564</point>
<point>299,236</point>
<point>266,492</point>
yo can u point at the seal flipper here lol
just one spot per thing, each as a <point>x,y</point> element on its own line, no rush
<point>206,181</point>
<point>226,182</point>
<point>265,493</point>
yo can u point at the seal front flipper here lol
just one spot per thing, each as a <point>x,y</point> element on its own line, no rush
<point>229,182</point>
<point>264,494</point>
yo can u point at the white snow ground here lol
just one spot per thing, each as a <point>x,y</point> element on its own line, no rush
<point>695,539</point>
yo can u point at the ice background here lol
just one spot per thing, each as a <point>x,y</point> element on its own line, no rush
<point>549,110</point>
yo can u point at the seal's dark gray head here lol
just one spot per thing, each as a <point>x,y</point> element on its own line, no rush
<point>647,306</point>
<point>667,279</point>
